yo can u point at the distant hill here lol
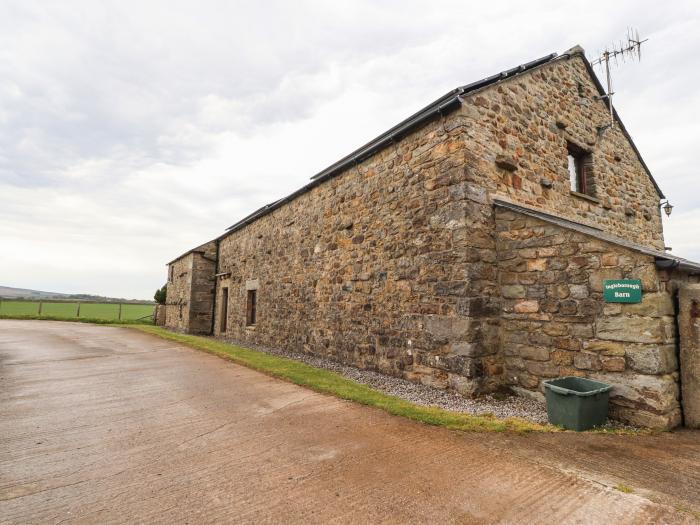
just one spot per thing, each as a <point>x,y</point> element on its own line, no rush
<point>8,292</point>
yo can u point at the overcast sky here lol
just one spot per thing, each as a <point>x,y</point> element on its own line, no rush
<point>131,131</point>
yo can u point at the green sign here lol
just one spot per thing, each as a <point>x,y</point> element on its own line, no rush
<point>622,291</point>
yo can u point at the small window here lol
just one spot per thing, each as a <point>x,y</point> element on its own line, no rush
<point>170,273</point>
<point>580,173</point>
<point>251,308</point>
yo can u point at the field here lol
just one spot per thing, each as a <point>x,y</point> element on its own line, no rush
<point>68,310</point>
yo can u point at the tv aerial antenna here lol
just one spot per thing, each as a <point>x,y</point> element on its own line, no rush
<point>618,52</point>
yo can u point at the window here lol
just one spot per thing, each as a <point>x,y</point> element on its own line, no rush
<point>251,308</point>
<point>170,273</point>
<point>224,310</point>
<point>580,172</point>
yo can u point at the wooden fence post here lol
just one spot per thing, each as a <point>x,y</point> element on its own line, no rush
<point>40,303</point>
<point>77,313</point>
<point>120,311</point>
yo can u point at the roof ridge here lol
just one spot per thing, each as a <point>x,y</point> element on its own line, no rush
<point>441,106</point>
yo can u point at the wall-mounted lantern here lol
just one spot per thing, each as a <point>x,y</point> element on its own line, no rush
<point>667,208</point>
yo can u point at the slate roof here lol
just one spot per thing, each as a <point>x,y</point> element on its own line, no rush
<point>442,106</point>
<point>199,249</point>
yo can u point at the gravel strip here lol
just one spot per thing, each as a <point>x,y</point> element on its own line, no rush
<point>510,406</point>
<point>503,407</point>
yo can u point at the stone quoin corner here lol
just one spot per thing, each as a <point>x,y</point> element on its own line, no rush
<point>468,248</point>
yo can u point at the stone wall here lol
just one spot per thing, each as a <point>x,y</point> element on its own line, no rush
<point>555,322</point>
<point>202,296</point>
<point>375,267</point>
<point>159,315</point>
<point>177,303</point>
<point>190,297</point>
<point>517,134</point>
<point>391,265</point>
<point>689,327</point>
<point>397,263</point>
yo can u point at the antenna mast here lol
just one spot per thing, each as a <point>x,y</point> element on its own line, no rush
<point>619,51</point>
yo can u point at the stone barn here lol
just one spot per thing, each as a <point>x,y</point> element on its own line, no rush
<point>190,290</point>
<point>507,233</point>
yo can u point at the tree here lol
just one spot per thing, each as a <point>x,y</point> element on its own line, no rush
<point>161,294</point>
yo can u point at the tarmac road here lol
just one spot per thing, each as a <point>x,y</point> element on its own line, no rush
<point>109,425</point>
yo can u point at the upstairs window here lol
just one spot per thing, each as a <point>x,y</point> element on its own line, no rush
<point>580,172</point>
<point>251,308</point>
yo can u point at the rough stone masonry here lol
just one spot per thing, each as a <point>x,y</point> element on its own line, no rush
<point>466,248</point>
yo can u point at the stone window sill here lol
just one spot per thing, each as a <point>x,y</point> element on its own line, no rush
<point>585,197</point>
<point>250,327</point>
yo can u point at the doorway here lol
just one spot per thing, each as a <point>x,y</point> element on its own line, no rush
<point>224,310</point>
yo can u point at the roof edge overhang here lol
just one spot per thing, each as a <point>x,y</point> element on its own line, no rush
<point>663,260</point>
<point>197,249</point>
<point>442,106</point>
<point>183,256</point>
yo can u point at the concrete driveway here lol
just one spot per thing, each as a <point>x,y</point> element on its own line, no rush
<point>108,425</point>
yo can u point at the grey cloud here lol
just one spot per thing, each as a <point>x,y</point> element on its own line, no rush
<point>131,131</point>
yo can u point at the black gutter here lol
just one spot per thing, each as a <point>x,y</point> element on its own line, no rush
<point>667,264</point>
<point>351,160</point>
<point>673,263</point>
<point>394,135</point>
<point>440,107</point>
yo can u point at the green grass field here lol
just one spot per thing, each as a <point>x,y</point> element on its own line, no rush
<point>104,311</point>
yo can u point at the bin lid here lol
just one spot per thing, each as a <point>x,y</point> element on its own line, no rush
<point>576,386</point>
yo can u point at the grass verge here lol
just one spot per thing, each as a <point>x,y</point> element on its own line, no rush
<point>624,488</point>
<point>93,320</point>
<point>682,508</point>
<point>327,382</point>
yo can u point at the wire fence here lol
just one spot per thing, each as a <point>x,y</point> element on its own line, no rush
<point>77,309</point>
